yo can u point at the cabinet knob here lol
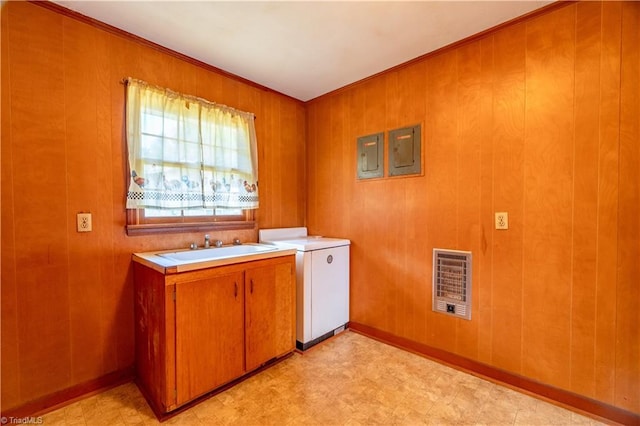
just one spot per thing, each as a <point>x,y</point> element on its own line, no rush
<point>235,290</point>
<point>251,287</point>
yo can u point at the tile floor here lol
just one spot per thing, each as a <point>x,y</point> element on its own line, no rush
<point>348,380</point>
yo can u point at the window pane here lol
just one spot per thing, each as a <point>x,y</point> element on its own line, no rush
<point>198,212</point>
<point>170,127</point>
<point>151,123</point>
<point>151,147</point>
<point>149,212</point>
<point>192,153</point>
<point>228,212</point>
<point>153,176</point>
<point>190,157</point>
<point>162,212</point>
<point>190,129</point>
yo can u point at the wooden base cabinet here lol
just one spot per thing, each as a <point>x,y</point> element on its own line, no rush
<point>269,313</point>
<point>209,334</point>
<point>199,330</point>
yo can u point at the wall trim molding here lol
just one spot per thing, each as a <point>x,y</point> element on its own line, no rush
<point>47,4</point>
<point>527,16</point>
<point>590,407</point>
<point>72,394</point>
<point>54,7</point>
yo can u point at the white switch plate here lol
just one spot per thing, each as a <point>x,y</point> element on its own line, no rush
<point>502,220</point>
<point>84,222</point>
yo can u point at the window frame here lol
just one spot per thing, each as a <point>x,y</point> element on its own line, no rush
<point>138,224</point>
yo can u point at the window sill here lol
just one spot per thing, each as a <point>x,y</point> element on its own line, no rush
<point>174,228</point>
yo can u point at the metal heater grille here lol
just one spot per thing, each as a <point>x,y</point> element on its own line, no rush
<point>452,282</point>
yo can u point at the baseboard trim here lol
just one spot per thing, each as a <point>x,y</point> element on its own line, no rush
<point>582,404</point>
<point>72,394</point>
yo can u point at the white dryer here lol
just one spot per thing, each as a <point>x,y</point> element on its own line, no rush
<point>322,282</point>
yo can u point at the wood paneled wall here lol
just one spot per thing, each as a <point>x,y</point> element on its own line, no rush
<point>67,298</point>
<point>540,119</point>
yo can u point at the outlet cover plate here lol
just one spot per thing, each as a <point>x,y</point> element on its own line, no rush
<point>84,222</point>
<point>502,220</point>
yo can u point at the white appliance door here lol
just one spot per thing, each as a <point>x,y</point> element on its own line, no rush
<point>329,289</point>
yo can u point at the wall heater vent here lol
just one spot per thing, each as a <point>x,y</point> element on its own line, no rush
<point>452,282</point>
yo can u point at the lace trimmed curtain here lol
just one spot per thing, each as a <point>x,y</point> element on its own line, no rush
<point>186,152</point>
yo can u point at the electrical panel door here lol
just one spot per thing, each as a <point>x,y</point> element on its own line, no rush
<point>405,146</point>
<point>370,156</point>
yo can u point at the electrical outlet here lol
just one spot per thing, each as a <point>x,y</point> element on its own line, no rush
<point>84,222</point>
<point>502,220</point>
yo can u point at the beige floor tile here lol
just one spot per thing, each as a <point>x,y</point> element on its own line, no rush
<point>349,380</point>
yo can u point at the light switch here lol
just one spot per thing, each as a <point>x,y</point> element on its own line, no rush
<point>502,220</point>
<point>84,222</point>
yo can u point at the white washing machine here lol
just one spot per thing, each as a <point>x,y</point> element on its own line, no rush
<point>322,282</point>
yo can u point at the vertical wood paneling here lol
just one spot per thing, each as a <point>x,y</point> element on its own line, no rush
<point>63,151</point>
<point>585,200</point>
<point>80,61</point>
<point>229,95</point>
<point>10,366</point>
<point>263,215</point>
<point>507,195</point>
<point>523,120</point>
<point>301,137</point>
<point>125,60</point>
<point>417,250</point>
<point>359,191</point>
<point>608,170</point>
<point>441,174</point>
<point>539,119</point>
<point>104,189</point>
<point>395,190</point>
<point>484,257</point>
<point>311,120</point>
<point>548,181</point>
<point>333,164</point>
<point>375,204</point>
<point>627,377</point>
<point>185,77</point>
<point>292,150</point>
<point>321,169</point>
<point>35,43</point>
<point>470,98</point>
<point>411,87</point>
<point>268,182</point>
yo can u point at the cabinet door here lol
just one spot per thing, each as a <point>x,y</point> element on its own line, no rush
<point>209,334</point>
<point>270,312</point>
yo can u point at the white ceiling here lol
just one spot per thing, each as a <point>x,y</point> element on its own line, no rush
<point>303,48</point>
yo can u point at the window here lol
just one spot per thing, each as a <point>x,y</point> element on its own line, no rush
<point>191,161</point>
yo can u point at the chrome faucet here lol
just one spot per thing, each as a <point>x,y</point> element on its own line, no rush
<point>218,243</point>
<point>206,241</point>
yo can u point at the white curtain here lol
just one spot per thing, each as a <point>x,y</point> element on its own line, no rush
<point>186,152</point>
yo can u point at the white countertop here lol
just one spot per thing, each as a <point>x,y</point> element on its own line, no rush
<point>166,265</point>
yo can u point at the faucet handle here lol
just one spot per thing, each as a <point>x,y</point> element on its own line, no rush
<point>236,241</point>
<point>218,243</point>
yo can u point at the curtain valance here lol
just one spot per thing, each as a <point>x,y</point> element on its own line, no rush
<point>188,152</point>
